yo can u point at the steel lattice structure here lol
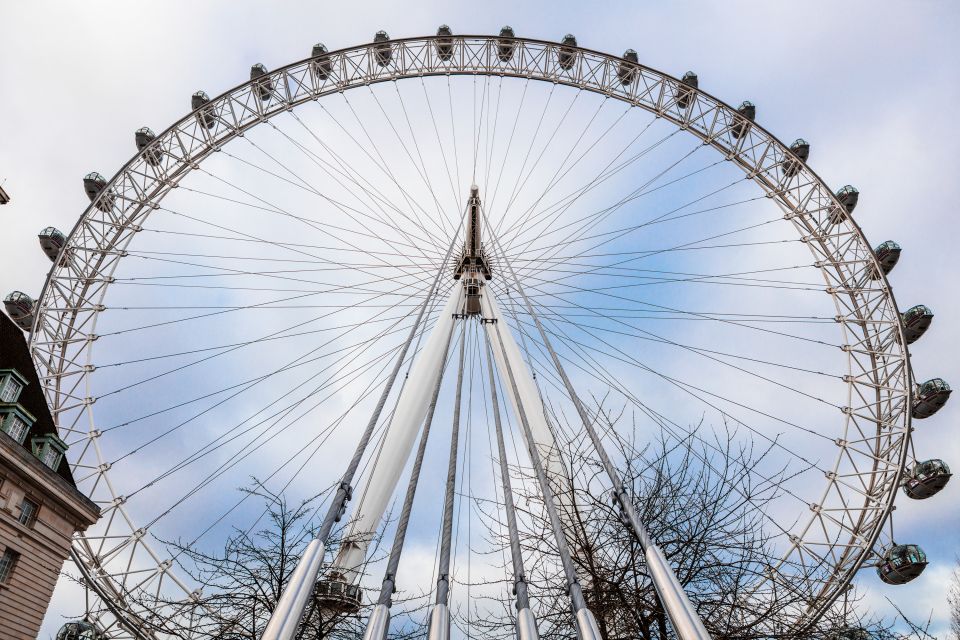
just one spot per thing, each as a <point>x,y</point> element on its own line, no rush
<point>843,528</point>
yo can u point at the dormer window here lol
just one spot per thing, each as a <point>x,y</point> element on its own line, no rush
<point>16,422</point>
<point>11,384</point>
<point>49,449</point>
<point>16,427</point>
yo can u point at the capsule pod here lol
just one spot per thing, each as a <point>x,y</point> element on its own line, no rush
<point>506,44</point>
<point>382,51</point>
<point>926,478</point>
<point>20,309</point>
<point>746,112</point>
<point>321,64</point>
<point>94,184</point>
<point>888,254</point>
<point>52,242</point>
<point>627,69</point>
<point>444,43</point>
<point>263,82</point>
<point>206,114</point>
<point>80,630</point>
<point>567,53</point>
<point>801,151</point>
<point>144,137</point>
<point>930,397</point>
<point>901,563</point>
<point>848,197</point>
<point>685,90</point>
<point>916,321</point>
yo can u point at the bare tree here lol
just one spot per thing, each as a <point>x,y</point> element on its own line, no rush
<point>239,585</point>
<point>704,502</point>
<point>953,600</point>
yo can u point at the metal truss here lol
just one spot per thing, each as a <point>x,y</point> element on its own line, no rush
<point>843,527</point>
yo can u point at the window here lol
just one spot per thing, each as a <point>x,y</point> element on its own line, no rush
<point>10,390</point>
<point>16,428</point>
<point>7,562</point>
<point>51,457</point>
<point>28,512</point>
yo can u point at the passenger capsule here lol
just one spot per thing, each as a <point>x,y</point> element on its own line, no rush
<point>627,69</point>
<point>382,50</point>
<point>688,85</point>
<point>143,137</point>
<point>746,112</point>
<point>888,254</point>
<point>848,197</point>
<point>916,321</point>
<point>567,54</point>
<point>94,184</point>
<point>801,151</point>
<point>901,563</point>
<point>444,43</point>
<point>20,309</point>
<point>930,397</point>
<point>52,242</point>
<point>321,61</point>
<point>506,44</point>
<point>80,630</point>
<point>926,478</point>
<point>263,82</point>
<point>206,114</point>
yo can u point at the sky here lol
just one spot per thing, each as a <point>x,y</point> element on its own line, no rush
<point>871,87</point>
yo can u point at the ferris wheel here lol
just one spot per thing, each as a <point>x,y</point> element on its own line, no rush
<point>310,271</point>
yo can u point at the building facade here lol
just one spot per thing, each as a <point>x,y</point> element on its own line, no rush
<point>40,506</point>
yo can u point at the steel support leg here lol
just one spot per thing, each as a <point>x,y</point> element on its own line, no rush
<point>392,456</point>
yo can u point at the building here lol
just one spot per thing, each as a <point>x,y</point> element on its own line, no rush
<point>40,506</point>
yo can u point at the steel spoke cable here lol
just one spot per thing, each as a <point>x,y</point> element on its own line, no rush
<point>594,219</point>
<point>562,171</point>
<point>201,397</point>
<point>453,137</point>
<point>342,207</point>
<point>595,369</point>
<point>562,296</point>
<point>685,386</point>
<point>443,154</point>
<point>606,173</point>
<point>225,311</point>
<point>441,219</point>
<point>341,382</point>
<point>347,171</point>
<point>346,330</point>
<point>245,385</point>
<point>653,337</point>
<point>423,166</point>
<point>506,151</point>
<point>383,166</point>
<point>291,246</point>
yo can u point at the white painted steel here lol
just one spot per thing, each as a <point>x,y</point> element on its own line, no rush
<point>682,614</point>
<point>439,628</point>
<point>529,394</point>
<point>286,617</point>
<point>398,443</point>
<point>587,627</point>
<point>527,625</point>
<point>378,624</point>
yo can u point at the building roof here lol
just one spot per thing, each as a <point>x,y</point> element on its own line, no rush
<point>14,354</point>
<point>4,198</point>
